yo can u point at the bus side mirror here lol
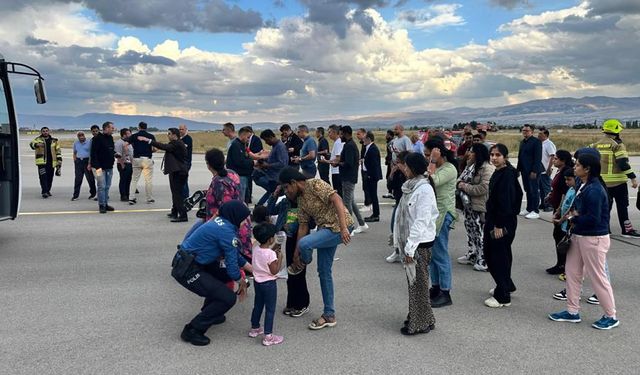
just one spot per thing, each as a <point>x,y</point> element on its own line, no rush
<point>38,86</point>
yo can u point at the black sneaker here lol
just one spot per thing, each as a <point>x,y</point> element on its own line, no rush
<point>442,300</point>
<point>132,201</point>
<point>103,209</point>
<point>45,196</point>
<point>593,300</point>
<point>179,219</point>
<point>193,336</point>
<point>194,199</point>
<point>631,234</point>
<point>91,196</point>
<point>73,199</point>
<point>434,291</point>
<point>561,295</point>
<point>555,270</point>
<point>109,208</point>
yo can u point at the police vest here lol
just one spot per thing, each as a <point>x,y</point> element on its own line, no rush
<point>610,151</point>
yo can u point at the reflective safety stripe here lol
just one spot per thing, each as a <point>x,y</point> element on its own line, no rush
<point>610,151</point>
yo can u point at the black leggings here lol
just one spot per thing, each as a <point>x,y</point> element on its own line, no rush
<point>297,291</point>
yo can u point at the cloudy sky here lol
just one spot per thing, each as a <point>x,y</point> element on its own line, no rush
<point>296,60</point>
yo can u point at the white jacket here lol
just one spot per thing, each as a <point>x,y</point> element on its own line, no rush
<point>423,212</point>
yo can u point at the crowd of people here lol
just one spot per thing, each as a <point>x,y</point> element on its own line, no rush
<point>299,212</point>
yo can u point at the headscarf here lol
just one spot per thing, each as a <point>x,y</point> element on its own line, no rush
<point>234,211</point>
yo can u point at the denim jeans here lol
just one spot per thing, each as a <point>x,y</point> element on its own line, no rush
<point>244,182</point>
<point>103,180</point>
<point>265,299</point>
<point>268,185</point>
<point>544,186</point>
<point>440,265</point>
<point>326,241</point>
<point>349,200</point>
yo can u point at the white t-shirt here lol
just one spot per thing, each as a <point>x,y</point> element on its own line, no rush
<point>548,149</point>
<point>335,152</point>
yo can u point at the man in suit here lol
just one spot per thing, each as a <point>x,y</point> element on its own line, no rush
<point>255,146</point>
<point>373,172</point>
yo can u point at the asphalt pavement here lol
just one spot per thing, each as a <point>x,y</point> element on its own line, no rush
<point>85,293</point>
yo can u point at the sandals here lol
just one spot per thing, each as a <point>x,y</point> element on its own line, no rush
<point>322,322</point>
<point>194,199</point>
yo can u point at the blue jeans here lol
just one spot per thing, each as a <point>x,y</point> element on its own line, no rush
<point>268,185</point>
<point>244,182</point>
<point>265,299</point>
<point>440,265</point>
<point>326,241</point>
<point>544,185</point>
<point>103,181</point>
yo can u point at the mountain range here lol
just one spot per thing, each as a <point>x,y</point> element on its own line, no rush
<point>555,111</point>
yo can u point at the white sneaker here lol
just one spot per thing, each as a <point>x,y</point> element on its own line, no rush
<point>492,302</point>
<point>366,209</point>
<point>393,258</point>
<point>523,213</point>
<point>532,215</point>
<point>465,259</point>
<point>361,228</point>
<point>480,267</point>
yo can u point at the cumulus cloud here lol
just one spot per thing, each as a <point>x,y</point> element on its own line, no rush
<point>302,69</point>
<point>626,7</point>
<point>432,17</point>
<point>186,15</point>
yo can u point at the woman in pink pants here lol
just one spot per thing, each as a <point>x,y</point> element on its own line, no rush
<point>589,218</point>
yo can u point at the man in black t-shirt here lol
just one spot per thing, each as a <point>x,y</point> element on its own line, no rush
<point>142,163</point>
<point>323,154</point>
<point>293,143</point>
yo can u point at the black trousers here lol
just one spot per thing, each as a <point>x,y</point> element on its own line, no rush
<point>218,298</point>
<point>371,189</point>
<point>499,258</point>
<point>323,169</point>
<point>297,291</point>
<point>367,198</point>
<point>126,174</point>
<point>45,174</point>
<point>621,195</point>
<point>249,192</point>
<point>558,235</point>
<point>81,172</point>
<point>176,183</point>
<point>388,177</point>
<point>336,179</point>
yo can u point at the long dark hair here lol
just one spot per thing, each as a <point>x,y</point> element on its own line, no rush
<point>593,163</point>
<point>481,154</point>
<point>437,142</point>
<point>418,165</point>
<point>215,159</point>
<point>566,158</point>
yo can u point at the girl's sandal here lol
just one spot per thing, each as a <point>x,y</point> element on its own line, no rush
<point>322,322</point>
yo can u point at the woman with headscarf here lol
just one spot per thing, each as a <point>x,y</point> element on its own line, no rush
<point>414,232</point>
<point>224,187</point>
<point>195,268</point>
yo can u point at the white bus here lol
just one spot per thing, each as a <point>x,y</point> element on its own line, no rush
<point>9,147</point>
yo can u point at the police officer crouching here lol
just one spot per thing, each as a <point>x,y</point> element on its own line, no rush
<point>199,267</point>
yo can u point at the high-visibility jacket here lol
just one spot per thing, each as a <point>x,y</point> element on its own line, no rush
<point>40,147</point>
<point>614,161</point>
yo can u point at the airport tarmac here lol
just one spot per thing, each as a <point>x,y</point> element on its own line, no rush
<point>85,293</point>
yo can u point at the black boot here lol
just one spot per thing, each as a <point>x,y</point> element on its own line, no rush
<point>179,218</point>
<point>173,214</point>
<point>441,300</point>
<point>195,337</point>
<point>103,209</point>
<point>434,291</point>
<point>109,208</point>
